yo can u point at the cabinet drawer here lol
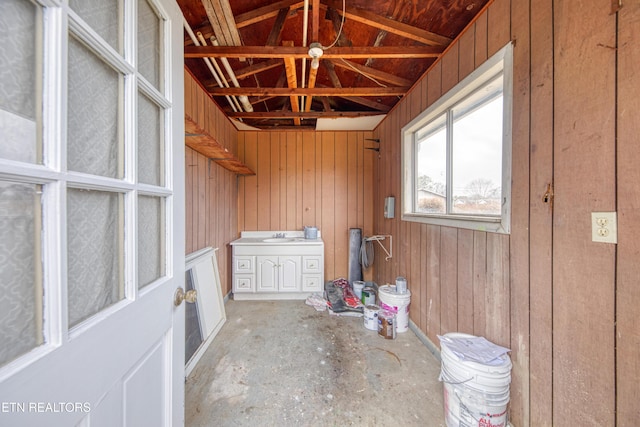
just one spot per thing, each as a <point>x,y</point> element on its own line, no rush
<point>243,283</point>
<point>312,283</point>
<point>244,264</point>
<point>311,264</point>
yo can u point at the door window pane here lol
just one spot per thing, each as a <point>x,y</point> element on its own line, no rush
<point>20,269</point>
<point>150,142</point>
<point>151,232</point>
<point>104,16</point>
<point>95,252</point>
<point>94,121</point>
<point>149,44</point>
<point>19,75</point>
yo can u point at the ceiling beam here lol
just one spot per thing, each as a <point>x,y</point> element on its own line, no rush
<point>297,52</point>
<point>249,71</point>
<point>302,115</point>
<point>372,72</point>
<point>292,82</point>
<point>317,91</point>
<point>265,12</point>
<point>276,30</point>
<point>390,25</point>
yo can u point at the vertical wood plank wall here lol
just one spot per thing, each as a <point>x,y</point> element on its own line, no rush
<point>546,290</point>
<point>211,191</point>
<point>303,178</point>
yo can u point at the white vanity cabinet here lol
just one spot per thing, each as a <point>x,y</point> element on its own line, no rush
<point>265,267</point>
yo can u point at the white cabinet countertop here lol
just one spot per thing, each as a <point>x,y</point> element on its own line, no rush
<point>265,238</point>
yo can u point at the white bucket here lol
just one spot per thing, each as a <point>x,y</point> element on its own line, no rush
<point>358,286</point>
<point>398,303</point>
<point>475,394</point>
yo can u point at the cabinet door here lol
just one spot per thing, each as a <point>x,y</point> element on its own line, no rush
<point>290,273</point>
<point>267,274</point>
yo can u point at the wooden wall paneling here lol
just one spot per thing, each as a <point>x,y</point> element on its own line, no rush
<point>403,238</point>
<point>356,177</point>
<point>413,278</point>
<point>499,25</point>
<point>369,159</point>
<point>264,174</point>
<point>584,171</point>
<point>424,274</point>
<point>450,63</point>
<point>188,83</point>
<point>415,102</point>
<point>449,279</point>
<point>251,181</point>
<point>341,205</point>
<point>479,283</point>
<point>309,179</point>
<point>466,52</point>
<point>433,283</point>
<point>519,241</point>
<point>351,142</point>
<point>299,183</point>
<point>628,176</point>
<point>241,183</point>
<point>292,182</point>
<point>481,52</point>
<point>188,231</point>
<point>282,143</point>
<point>497,296</point>
<point>465,281</point>
<point>434,81</point>
<point>318,190</point>
<point>328,202</point>
<point>275,213</point>
<point>541,215</point>
<point>199,216</point>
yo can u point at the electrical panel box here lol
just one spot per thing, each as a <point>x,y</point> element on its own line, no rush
<point>389,207</point>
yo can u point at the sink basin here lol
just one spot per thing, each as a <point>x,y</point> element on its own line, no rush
<point>278,240</point>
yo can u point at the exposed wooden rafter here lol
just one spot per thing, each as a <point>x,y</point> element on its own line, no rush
<point>316,91</point>
<point>390,25</point>
<point>297,52</point>
<point>370,71</point>
<point>303,114</point>
<point>292,82</point>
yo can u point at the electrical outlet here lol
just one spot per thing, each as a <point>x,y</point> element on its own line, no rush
<point>604,227</point>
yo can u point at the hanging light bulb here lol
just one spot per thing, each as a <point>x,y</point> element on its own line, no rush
<point>315,52</point>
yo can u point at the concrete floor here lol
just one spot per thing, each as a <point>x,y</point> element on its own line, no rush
<point>282,363</point>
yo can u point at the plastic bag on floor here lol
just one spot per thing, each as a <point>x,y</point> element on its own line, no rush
<point>316,301</point>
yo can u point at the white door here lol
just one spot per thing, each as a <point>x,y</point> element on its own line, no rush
<point>91,213</point>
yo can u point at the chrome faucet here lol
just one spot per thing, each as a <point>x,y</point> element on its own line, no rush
<point>279,235</point>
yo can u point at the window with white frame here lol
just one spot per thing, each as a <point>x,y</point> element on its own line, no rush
<point>457,153</point>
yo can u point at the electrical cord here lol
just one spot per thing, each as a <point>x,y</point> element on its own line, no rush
<point>344,8</point>
<point>366,253</point>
